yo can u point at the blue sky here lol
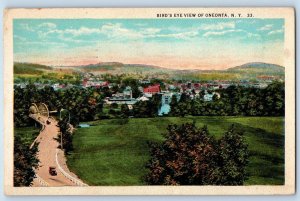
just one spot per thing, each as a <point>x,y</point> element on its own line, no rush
<point>172,43</point>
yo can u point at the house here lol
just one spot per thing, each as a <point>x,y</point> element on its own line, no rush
<point>94,83</point>
<point>21,85</point>
<point>224,86</point>
<point>58,86</point>
<point>153,89</point>
<point>267,78</point>
<point>260,85</point>
<point>127,92</point>
<point>120,100</point>
<point>171,87</point>
<point>197,86</point>
<point>146,81</point>
<point>209,97</point>
<point>143,98</point>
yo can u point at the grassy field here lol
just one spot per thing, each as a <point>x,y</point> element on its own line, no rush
<point>27,134</point>
<point>108,153</point>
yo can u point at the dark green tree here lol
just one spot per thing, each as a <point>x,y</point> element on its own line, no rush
<point>125,112</point>
<point>66,134</point>
<point>186,157</point>
<point>190,156</point>
<point>25,159</point>
<point>233,158</point>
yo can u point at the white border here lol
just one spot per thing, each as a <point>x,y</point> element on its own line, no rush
<point>288,188</point>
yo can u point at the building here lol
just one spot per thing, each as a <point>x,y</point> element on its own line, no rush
<point>166,100</point>
<point>260,85</point>
<point>267,78</point>
<point>209,97</point>
<point>146,81</point>
<point>127,92</point>
<point>94,83</point>
<point>120,100</point>
<point>153,89</point>
<point>164,109</point>
<point>143,98</point>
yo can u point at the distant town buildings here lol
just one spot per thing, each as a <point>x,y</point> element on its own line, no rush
<point>122,98</point>
<point>204,90</point>
<point>90,82</point>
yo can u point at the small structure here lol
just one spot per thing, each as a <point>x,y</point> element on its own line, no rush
<point>39,109</point>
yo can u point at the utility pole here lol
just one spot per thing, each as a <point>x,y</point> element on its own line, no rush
<point>61,141</point>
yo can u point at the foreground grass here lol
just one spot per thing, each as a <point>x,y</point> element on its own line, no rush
<point>114,152</point>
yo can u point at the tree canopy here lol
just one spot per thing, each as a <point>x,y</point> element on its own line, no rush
<point>190,156</point>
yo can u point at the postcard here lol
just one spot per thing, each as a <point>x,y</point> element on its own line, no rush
<point>149,101</point>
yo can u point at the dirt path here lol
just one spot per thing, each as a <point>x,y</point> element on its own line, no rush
<point>49,155</point>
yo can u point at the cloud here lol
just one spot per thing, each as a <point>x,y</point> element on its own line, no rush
<point>252,35</point>
<point>47,25</point>
<point>221,33</point>
<point>244,35</point>
<point>275,32</point>
<point>218,26</point>
<point>140,24</point>
<point>150,31</point>
<point>26,27</point>
<point>118,31</point>
<point>183,35</point>
<point>267,27</point>
<point>30,28</point>
<point>19,38</point>
<point>115,30</point>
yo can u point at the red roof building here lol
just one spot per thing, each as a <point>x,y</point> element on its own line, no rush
<point>152,89</point>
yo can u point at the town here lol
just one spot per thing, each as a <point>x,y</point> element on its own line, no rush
<point>207,90</point>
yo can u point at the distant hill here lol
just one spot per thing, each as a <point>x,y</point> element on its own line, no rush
<point>29,68</point>
<point>116,68</point>
<point>258,67</point>
<point>245,71</point>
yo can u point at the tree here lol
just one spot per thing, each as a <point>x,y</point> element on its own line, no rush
<point>114,106</point>
<point>25,159</point>
<point>233,158</point>
<point>125,112</point>
<point>66,134</point>
<point>190,156</point>
<point>185,158</point>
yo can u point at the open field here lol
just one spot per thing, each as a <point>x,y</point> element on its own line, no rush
<point>114,152</point>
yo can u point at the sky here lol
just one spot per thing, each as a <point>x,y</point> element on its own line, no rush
<point>217,43</point>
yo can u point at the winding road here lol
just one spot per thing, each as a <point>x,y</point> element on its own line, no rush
<point>50,155</point>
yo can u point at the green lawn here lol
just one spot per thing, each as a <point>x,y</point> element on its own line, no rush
<point>114,153</point>
<point>27,134</point>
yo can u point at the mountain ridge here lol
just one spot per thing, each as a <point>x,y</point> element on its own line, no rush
<point>246,71</point>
